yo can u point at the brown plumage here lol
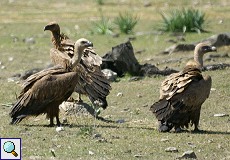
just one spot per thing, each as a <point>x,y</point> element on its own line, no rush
<point>44,91</point>
<point>183,93</point>
<point>92,81</point>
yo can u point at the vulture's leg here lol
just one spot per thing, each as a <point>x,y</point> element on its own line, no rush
<point>58,121</point>
<point>196,120</point>
<point>163,127</point>
<point>177,129</point>
<point>51,122</point>
<point>79,98</point>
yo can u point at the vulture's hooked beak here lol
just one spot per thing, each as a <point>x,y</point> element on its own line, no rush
<point>213,48</point>
<point>46,28</point>
<point>89,44</point>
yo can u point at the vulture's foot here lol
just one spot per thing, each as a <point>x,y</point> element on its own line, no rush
<point>178,129</point>
<point>49,125</point>
<point>163,128</point>
<point>196,130</point>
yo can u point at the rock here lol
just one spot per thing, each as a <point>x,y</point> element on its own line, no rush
<point>58,129</point>
<point>215,67</point>
<point>3,67</point>
<point>10,59</point>
<point>120,94</point>
<point>110,75</point>
<point>120,121</point>
<point>29,40</point>
<point>164,140</point>
<point>91,153</point>
<point>221,115</point>
<point>187,155</point>
<point>72,108</point>
<point>147,4</point>
<point>171,149</point>
<point>217,40</point>
<point>121,60</point>
<point>150,70</point>
<point>135,78</point>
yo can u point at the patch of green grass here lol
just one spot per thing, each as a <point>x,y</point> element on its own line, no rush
<point>126,22</point>
<point>85,131</point>
<point>100,2</point>
<point>184,20</point>
<point>103,26</point>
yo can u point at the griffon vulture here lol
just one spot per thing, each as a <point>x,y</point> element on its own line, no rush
<point>44,91</point>
<point>183,93</point>
<point>92,81</point>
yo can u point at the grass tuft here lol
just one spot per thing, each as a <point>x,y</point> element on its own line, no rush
<point>86,131</point>
<point>126,22</point>
<point>100,2</point>
<point>103,26</point>
<point>185,20</point>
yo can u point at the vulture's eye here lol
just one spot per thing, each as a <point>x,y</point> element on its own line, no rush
<point>83,42</point>
<point>205,48</point>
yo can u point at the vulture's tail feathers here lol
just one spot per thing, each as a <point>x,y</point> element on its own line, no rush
<point>162,109</point>
<point>18,106</point>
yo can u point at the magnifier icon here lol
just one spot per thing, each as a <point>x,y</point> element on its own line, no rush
<point>9,147</point>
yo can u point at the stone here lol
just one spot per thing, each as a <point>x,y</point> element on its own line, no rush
<point>110,75</point>
<point>188,154</point>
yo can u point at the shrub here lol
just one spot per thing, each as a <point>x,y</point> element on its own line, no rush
<point>100,2</point>
<point>103,26</point>
<point>185,20</point>
<point>126,22</point>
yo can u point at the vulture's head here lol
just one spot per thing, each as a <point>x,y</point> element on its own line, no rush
<point>79,46</point>
<point>52,26</point>
<point>82,44</point>
<point>203,48</point>
<point>199,52</point>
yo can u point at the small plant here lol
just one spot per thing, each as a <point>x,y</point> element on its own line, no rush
<point>126,22</point>
<point>100,2</point>
<point>86,131</point>
<point>185,20</point>
<point>104,26</point>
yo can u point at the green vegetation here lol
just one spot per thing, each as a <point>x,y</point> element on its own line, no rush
<point>137,137</point>
<point>100,2</point>
<point>126,22</point>
<point>184,20</point>
<point>103,26</point>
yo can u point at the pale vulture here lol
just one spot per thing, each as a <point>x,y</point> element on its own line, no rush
<point>183,93</point>
<point>92,80</point>
<point>44,91</point>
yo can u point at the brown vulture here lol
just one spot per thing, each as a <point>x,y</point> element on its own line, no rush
<point>44,91</point>
<point>183,93</point>
<point>92,80</point>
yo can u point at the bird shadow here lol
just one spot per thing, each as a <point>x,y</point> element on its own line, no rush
<point>202,132</point>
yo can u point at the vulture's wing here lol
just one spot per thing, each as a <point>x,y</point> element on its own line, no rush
<point>35,77</point>
<point>94,84</point>
<point>48,90</point>
<point>182,92</point>
<point>67,47</point>
<point>178,82</point>
<point>60,58</point>
<point>90,58</point>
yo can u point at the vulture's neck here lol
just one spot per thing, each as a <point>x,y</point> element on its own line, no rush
<point>198,58</point>
<point>77,56</point>
<point>56,39</point>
